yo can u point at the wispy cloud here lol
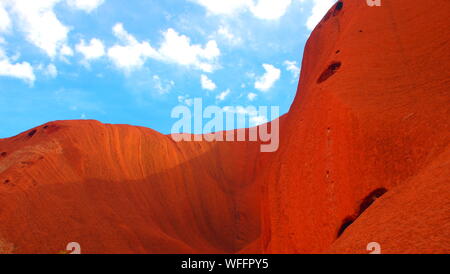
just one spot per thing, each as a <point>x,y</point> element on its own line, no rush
<point>85,5</point>
<point>175,48</point>
<point>262,9</point>
<point>92,50</point>
<point>207,84</point>
<point>23,71</point>
<point>38,21</point>
<point>5,20</point>
<point>320,8</point>
<point>162,86</point>
<point>129,54</point>
<point>292,67</point>
<point>223,95</point>
<point>254,116</point>
<point>252,96</point>
<point>50,70</point>
<point>266,81</point>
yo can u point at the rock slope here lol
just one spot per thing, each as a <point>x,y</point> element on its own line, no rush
<point>364,157</point>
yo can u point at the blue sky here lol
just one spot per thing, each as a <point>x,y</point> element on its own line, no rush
<point>132,62</point>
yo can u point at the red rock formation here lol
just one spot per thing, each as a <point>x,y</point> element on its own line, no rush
<point>412,218</point>
<point>371,115</point>
<point>124,189</point>
<point>371,112</point>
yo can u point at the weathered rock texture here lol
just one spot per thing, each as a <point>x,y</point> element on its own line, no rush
<point>364,157</point>
<point>372,113</point>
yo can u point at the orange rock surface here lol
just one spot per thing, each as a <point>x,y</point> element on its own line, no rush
<point>124,189</point>
<point>364,157</point>
<point>372,113</point>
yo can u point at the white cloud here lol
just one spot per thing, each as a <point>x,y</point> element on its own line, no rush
<point>262,9</point>
<point>178,49</point>
<point>175,48</point>
<point>38,21</point>
<point>162,86</point>
<point>85,5</point>
<point>207,83</point>
<point>258,120</point>
<point>320,8</point>
<point>254,118</point>
<point>223,95</point>
<point>131,54</point>
<point>266,82</point>
<point>250,75</point>
<point>224,7</point>
<point>51,71</point>
<point>240,110</point>
<point>5,20</point>
<point>224,33</point>
<point>23,71</point>
<point>292,67</point>
<point>121,34</point>
<point>185,99</point>
<point>94,50</point>
<point>252,96</point>
<point>270,9</point>
<point>66,51</point>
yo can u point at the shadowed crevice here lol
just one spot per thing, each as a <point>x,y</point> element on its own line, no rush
<point>330,71</point>
<point>346,223</point>
<point>364,205</point>
<point>32,133</point>
<point>370,199</point>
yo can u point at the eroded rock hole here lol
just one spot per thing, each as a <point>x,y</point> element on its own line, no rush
<point>50,128</point>
<point>31,133</point>
<point>338,8</point>
<point>332,69</point>
<point>4,154</point>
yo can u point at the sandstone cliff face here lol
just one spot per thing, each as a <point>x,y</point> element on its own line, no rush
<point>371,113</point>
<point>364,156</point>
<point>412,218</point>
<point>124,189</point>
